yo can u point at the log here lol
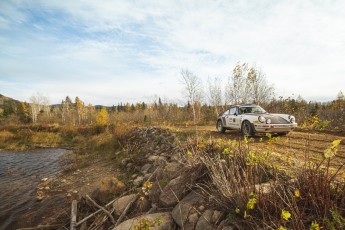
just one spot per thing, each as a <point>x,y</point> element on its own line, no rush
<point>74,211</point>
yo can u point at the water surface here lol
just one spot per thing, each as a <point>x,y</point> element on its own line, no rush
<point>20,173</point>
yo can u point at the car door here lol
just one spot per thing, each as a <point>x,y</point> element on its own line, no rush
<point>231,119</point>
<point>235,119</point>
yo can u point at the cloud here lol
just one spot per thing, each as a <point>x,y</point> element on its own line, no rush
<point>123,49</point>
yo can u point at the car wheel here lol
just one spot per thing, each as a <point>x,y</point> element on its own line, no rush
<point>247,129</point>
<point>220,127</point>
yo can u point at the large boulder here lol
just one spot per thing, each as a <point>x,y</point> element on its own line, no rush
<point>107,189</point>
<point>184,210</point>
<point>121,204</point>
<point>172,169</point>
<point>178,187</point>
<point>205,221</point>
<point>209,220</point>
<point>173,192</point>
<point>157,221</point>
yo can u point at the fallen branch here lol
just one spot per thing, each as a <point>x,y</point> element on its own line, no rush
<point>100,207</point>
<point>42,227</point>
<point>95,213</point>
<point>74,211</point>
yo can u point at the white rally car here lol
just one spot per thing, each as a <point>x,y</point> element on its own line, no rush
<point>251,119</point>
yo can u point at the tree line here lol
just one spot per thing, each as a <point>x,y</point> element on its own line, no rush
<point>246,84</point>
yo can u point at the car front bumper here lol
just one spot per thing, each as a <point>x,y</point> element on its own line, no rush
<point>274,128</point>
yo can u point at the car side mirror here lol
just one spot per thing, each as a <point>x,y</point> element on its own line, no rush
<point>235,114</point>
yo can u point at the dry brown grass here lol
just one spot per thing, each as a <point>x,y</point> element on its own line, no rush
<point>241,172</point>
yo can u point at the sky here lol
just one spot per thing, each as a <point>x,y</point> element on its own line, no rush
<point>109,51</point>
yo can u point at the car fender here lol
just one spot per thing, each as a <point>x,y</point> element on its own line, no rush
<point>251,123</point>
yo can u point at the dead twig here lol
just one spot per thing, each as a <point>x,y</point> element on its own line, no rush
<point>100,207</point>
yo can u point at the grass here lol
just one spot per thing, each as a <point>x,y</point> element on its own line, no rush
<point>251,187</point>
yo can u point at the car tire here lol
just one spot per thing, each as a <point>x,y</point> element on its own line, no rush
<point>220,127</point>
<point>247,129</point>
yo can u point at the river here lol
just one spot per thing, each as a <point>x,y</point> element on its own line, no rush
<point>20,173</point>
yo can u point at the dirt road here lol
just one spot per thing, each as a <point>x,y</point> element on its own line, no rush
<point>292,149</point>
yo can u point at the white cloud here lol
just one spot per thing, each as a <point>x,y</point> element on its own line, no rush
<point>92,46</point>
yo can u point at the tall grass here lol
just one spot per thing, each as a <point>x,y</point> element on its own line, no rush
<point>255,193</point>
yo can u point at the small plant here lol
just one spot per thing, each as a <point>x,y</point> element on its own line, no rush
<point>146,188</point>
<point>331,151</point>
<point>251,202</point>
<point>314,226</point>
<point>147,224</point>
<point>285,215</point>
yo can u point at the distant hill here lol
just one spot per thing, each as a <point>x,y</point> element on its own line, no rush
<point>6,100</point>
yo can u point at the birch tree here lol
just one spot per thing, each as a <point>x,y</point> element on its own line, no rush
<point>248,85</point>
<point>215,93</point>
<point>192,90</point>
<point>39,104</point>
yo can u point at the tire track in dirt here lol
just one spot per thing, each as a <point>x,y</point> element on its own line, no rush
<point>296,147</point>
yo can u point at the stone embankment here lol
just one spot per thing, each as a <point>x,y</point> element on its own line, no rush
<point>165,195</point>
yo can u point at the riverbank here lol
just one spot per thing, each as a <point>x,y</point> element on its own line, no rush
<point>168,168</point>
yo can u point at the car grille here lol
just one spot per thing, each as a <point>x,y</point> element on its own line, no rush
<point>277,120</point>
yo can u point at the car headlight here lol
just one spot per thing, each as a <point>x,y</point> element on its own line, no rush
<point>268,121</point>
<point>261,119</point>
<point>292,119</point>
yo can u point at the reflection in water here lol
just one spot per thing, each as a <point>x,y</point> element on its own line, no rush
<point>20,173</point>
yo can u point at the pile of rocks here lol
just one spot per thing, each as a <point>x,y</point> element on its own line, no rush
<point>165,186</point>
<point>149,151</point>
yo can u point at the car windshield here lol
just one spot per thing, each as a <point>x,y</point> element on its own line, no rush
<point>251,109</point>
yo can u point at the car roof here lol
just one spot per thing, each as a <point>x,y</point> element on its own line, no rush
<point>243,105</point>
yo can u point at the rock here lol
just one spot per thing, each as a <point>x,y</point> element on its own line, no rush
<point>138,181</point>
<point>205,221</point>
<point>120,205</point>
<point>155,192</point>
<point>166,222</point>
<point>158,160</point>
<point>172,169</point>
<point>152,158</point>
<point>193,218</point>
<point>173,192</point>
<point>146,168</point>
<point>134,176</point>
<point>201,208</point>
<point>142,205</point>
<point>177,187</point>
<point>147,176</point>
<point>183,209</point>
<point>44,179</point>
<point>107,189</point>
<point>129,165</point>
<point>216,217</point>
